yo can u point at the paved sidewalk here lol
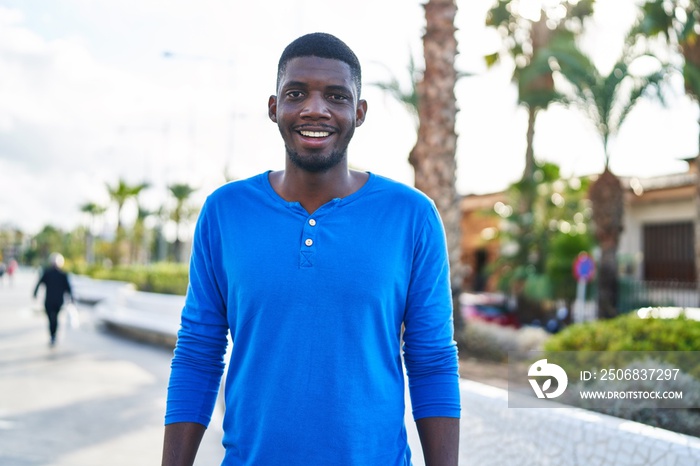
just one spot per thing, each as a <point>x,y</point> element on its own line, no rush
<point>98,400</point>
<point>494,435</point>
<point>93,400</point>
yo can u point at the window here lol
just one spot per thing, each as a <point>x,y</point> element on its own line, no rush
<point>669,253</point>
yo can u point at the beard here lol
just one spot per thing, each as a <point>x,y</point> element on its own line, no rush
<point>315,163</point>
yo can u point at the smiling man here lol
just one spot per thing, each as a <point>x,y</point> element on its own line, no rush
<point>315,270</point>
<point>317,111</point>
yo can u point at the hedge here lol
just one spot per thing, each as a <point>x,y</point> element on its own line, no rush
<point>163,277</point>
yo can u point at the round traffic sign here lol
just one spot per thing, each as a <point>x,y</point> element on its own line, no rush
<point>584,267</point>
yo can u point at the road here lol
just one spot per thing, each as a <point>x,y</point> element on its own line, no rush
<point>98,399</point>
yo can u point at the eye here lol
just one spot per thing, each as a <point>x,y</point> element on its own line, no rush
<point>338,97</point>
<point>294,94</point>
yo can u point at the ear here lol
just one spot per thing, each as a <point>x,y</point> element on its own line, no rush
<point>360,112</point>
<point>272,108</point>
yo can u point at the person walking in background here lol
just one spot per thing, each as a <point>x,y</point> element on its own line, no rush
<point>11,269</point>
<point>314,270</point>
<point>56,285</point>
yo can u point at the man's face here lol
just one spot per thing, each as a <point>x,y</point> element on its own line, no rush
<point>316,109</point>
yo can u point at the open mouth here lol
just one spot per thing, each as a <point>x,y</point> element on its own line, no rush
<point>315,134</point>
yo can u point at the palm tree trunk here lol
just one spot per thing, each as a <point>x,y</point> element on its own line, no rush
<point>607,197</point>
<point>433,157</point>
<point>89,248</point>
<point>529,170</point>
<point>697,211</point>
<point>117,247</point>
<point>527,184</point>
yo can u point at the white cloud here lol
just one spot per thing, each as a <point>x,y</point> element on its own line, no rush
<point>86,97</point>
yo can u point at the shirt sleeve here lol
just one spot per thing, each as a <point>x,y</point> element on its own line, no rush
<point>430,352</point>
<point>68,287</point>
<point>198,360</point>
<point>38,284</point>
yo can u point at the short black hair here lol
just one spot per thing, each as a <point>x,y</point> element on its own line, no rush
<point>322,45</point>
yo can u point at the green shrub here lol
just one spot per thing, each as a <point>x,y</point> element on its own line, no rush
<point>629,333</point>
<point>564,249</point>
<point>617,340</point>
<point>165,277</point>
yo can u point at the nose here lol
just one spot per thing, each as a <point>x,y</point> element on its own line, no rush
<point>315,107</point>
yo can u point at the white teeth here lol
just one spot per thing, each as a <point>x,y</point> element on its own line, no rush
<point>315,134</point>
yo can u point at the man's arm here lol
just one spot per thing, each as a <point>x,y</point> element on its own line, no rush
<point>439,437</point>
<point>38,284</point>
<point>198,358</point>
<point>430,353</point>
<point>68,288</point>
<point>181,443</point>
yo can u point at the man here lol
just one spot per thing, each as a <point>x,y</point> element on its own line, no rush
<point>56,286</point>
<point>314,270</point>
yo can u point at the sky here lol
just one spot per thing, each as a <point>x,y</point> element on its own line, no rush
<point>175,91</point>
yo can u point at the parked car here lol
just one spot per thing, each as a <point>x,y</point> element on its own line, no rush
<point>488,307</point>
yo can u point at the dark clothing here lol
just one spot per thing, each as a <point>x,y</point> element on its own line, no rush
<point>52,314</point>
<point>57,285</point>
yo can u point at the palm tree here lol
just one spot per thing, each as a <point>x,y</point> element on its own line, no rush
<point>120,194</point>
<point>529,30</point>
<point>159,250</point>
<point>433,156</point>
<point>677,22</point>
<point>535,35</point>
<point>93,211</point>
<point>607,100</point>
<point>436,138</point>
<point>140,237</point>
<point>181,214</point>
<point>407,97</point>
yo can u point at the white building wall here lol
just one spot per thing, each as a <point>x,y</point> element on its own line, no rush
<point>636,216</point>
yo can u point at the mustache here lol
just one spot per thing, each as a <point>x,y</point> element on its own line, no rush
<point>316,127</point>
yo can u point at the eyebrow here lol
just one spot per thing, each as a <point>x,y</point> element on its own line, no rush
<point>294,84</point>
<point>304,85</point>
<point>343,89</point>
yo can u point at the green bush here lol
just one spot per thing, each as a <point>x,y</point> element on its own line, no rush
<point>629,333</point>
<point>611,343</point>
<point>165,277</point>
<point>620,338</point>
<point>565,248</point>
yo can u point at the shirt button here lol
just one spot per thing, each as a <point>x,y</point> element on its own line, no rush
<point>309,242</point>
<point>312,222</point>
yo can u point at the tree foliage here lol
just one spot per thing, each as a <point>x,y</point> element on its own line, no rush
<point>536,246</point>
<point>534,36</point>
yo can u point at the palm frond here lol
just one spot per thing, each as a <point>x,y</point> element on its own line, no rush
<point>407,97</point>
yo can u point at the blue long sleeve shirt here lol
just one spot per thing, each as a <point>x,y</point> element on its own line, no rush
<point>315,305</point>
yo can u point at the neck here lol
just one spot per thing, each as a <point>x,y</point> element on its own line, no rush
<point>314,189</point>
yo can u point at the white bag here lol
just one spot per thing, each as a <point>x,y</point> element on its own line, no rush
<point>73,315</point>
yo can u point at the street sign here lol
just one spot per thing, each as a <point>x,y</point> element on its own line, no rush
<point>584,267</point>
